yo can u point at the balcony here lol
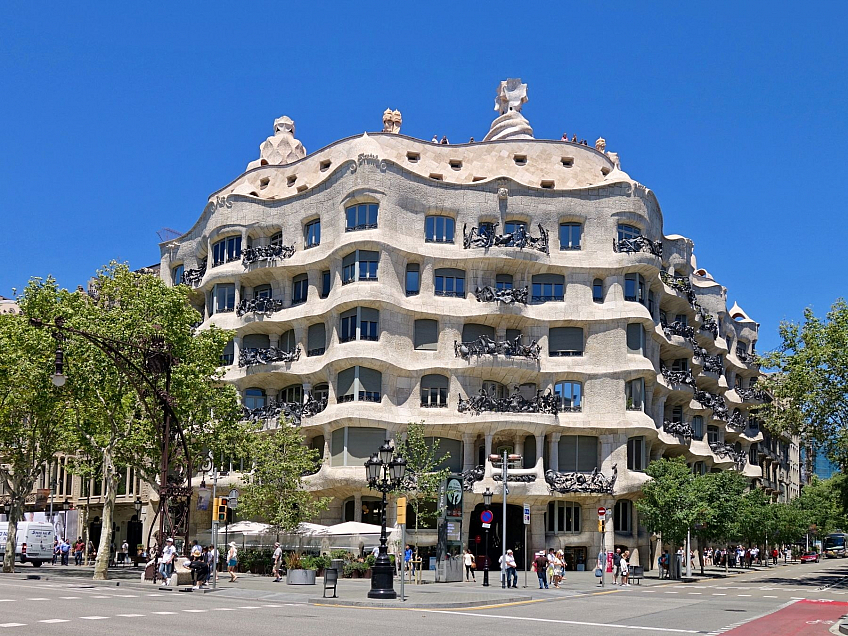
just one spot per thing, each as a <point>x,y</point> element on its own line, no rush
<point>489,294</point>
<point>264,306</point>
<point>677,377</point>
<point>450,294</point>
<point>475,238</point>
<point>714,402</point>
<point>709,324</point>
<point>361,226</point>
<point>752,395</point>
<point>638,244</point>
<point>192,277</point>
<point>548,299</point>
<point>749,359</point>
<point>484,345</point>
<point>710,364</point>
<point>727,451</point>
<point>546,402</point>
<point>681,429</point>
<point>292,411</point>
<point>594,482</point>
<point>269,253</point>
<point>679,284</point>
<point>252,357</point>
<point>677,328</point>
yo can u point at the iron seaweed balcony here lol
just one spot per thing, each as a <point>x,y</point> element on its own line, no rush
<point>545,402</point>
<point>484,345</point>
<point>722,449</point>
<point>291,410</point>
<point>679,284</point>
<point>714,402</point>
<point>638,244</point>
<point>752,395</point>
<point>192,277</point>
<point>266,253</point>
<point>711,364</point>
<point>520,239</point>
<point>265,306</point>
<point>489,294</point>
<point>683,429</point>
<point>594,482</point>
<point>677,377</point>
<point>677,328</point>
<point>252,357</point>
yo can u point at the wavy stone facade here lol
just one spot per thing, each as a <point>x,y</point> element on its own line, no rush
<point>620,350</point>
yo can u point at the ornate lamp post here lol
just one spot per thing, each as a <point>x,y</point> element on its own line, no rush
<point>385,472</point>
<point>487,501</point>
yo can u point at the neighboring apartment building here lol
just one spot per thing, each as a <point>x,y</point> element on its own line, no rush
<point>515,294</point>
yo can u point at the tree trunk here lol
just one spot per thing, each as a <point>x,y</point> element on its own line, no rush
<point>16,513</point>
<point>104,551</point>
<point>701,554</point>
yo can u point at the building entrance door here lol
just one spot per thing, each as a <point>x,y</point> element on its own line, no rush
<point>514,534</point>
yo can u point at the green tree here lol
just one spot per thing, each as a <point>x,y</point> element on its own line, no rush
<point>757,522</point>
<point>717,500</point>
<point>669,503</point>
<point>275,489</point>
<point>32,410</point>
<point>117,419</point>
<point>423,475</point>
<point>821,504</point>
<point>811,383</point>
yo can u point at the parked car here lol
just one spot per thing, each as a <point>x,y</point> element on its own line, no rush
<point>810,557</point>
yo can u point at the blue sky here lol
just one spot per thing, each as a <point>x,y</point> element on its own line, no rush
<point>121,120</point>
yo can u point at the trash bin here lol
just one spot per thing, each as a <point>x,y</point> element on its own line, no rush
<point>338,565</point>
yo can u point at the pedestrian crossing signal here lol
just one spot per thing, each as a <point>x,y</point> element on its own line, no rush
<point>219,509</point>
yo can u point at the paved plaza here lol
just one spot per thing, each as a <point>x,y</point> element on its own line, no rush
<point>788,599</point>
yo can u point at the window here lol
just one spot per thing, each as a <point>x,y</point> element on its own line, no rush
<point>316,339</point>
<point>312,234</point>
<point>569,236</point>
<point>254,399</point>
<point>578,453</point>
<point>622,514</point>
<point>225,297</point>
<point>713,434</point>
<point>287,341</point>
<point>365,318</point>
<point>301,289</point>
<point>495,390</point>
<point>321,392</point>
<point>682,319</point>
<point>548,287</point>
<point>565,341</point>
<point>277,239</point>
<point>326,281</point>
<point>652,303</point>
<point>636,453</point>
<point>503,281</point>
<point>255,341</point>
<point>351,445</point>
<point>486,229</point>
<point>177,274</point>
<point>699,468</point>
<point>564,516</point>
<point>228,355</point>
<point>680,364</point>
<point>753,451</point>
<point>413,279</point>
<point>262,291</point>
<point>292,394</point>
<point>511,227</point>
<point>598,290</point>
<point>359,384</point>
<point>426,336</point>
<point>570,396</point>
<point>361,217</point>
<point>360,265</point>
<point>473,331</point>
<point>628,232</point>
<point>634,288</point>
<point>450,282</point>
<point>226,250</point>
<point>635,338</point>
<point>438,229</point>
<point>434,391</point>
<point>634,391</point>
<point>677,414</point>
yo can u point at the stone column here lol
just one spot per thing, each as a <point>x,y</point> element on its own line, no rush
<point>467,451</point>
<point>238,290</point>
<point>536,538</point>
<point>540,448</point>
<point>274,339</point>
<point>236,349</point>
<point>488,446</point>
<point>553,455</point>
<point>328,434</point>
<point>357,507</point>
<point>519,445</point>
<point>609,533</point>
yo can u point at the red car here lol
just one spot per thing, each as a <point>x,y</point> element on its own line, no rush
<point>810,557</point>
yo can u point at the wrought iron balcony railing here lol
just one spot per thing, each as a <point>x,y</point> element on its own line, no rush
<point>722,449</point>
<point>638,244</point>
<point>677,377</point>
<point>520,238</point>
<point>489,294</point>
<point>266,253</point>
<point>679,284</point>
<point>546,402</point>
<point>752,395</point>
<point>749,359</point>
<point>484,345</point>
<point>711,364</point>
<point>250,357</point>
<point>677,328</point>
<point>192,277</point>
<point>594,482</point>
<point>714,402</point>
<point>293,411</point>
<point>709,324</point>
<point>259,306</point>
<point>683,429</point>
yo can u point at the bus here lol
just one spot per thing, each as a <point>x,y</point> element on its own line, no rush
<point>834,545</point>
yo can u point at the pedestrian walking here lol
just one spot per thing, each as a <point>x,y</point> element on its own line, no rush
<point>624,568</point>
<point>278,562</point>
<point>232,561</point>
<point>55,551</point>
<point>509,569</point>
<point>664,563</point>
<point>540,564</point>
<point>616,566</point>
<point>212,561</point>
<point>64,550</point>
<point>79,549</point>
<point>470,565</point>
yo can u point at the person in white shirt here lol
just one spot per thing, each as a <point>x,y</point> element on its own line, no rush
<point>278,561</point>
<point>510,573</point>
<point>469,565</point>
<point>169,552</point>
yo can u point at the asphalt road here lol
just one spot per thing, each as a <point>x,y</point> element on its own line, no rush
<point>766,602</point>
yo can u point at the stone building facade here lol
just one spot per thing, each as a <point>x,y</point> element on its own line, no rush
<point>515,294</point>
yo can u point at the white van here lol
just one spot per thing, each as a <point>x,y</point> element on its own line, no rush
<point>35,541</point>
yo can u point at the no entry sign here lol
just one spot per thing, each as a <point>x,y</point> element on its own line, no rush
<point>602,512</point>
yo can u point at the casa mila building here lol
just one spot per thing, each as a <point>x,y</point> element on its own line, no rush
<point>514,294</point>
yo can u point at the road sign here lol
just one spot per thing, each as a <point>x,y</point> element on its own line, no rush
<point>234,493</point>
<point>486,516</point>
<point>486,525</point>
<point>602,512</point>
<point>526,514</point>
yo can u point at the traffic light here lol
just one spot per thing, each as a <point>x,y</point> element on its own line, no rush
<point>219,509</point>
<point>600,526</point>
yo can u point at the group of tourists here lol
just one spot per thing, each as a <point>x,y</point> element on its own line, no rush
<point>201,562</point>
<point>621,568</point>
<point>550,567</point>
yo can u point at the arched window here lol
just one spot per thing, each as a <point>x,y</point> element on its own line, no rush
<point>439,229</point>
<point>628,232</point>
<point>254,398</point>
<point>434,391</point>
<point>598,290</point>
<point>291,394</point>
<point>177,274</point>
<point>226,250</point>
<point>359,384</point>
<point>362,216</point>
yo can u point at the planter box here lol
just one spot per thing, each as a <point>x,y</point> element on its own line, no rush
<point>300,577</point>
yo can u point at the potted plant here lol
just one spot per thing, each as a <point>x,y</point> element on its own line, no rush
<point>297,573</point>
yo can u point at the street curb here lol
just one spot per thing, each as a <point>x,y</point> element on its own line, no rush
<point>397,604</point>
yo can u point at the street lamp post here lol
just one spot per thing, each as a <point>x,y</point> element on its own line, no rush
<point>487,501</point>
<point>385,472</point>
